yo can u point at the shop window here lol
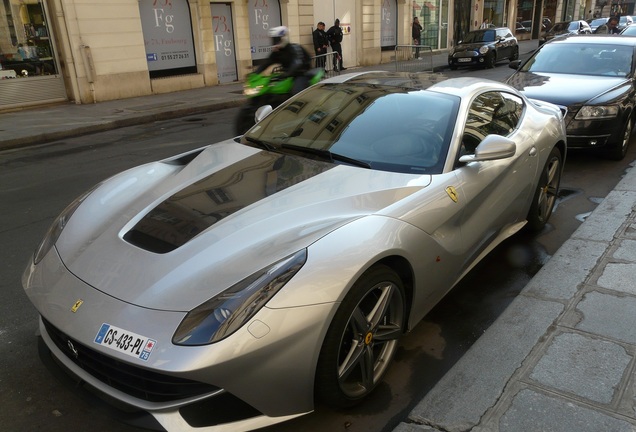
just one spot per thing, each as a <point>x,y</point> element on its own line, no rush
<point>25,43</point>
<point>388,24</point>
<point>167,30</point>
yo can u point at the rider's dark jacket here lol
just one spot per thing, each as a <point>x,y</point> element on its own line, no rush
<point>293,58</point>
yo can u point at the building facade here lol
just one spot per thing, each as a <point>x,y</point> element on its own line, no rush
<point>88,51</point>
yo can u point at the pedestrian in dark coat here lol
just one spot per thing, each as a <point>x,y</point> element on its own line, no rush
<point>321,44</point>
<point>416,33</point>
<point>335,39</point>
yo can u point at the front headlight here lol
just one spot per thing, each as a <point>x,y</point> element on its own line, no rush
<point>597,112</point>
<point>222,315</point>
<point>58,225</point>
<point>483,49</point>
<point>252,91</point>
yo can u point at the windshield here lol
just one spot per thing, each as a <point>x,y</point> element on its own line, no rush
<point>480,36</point>
<point>582,59</point>
<point>598,22</point>
<point>386,128</point>
<point>630,30</point>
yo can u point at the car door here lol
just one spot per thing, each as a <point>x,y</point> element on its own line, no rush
<point>506,43</point>
<point>495,192</point>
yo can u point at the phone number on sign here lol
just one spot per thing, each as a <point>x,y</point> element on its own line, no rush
<point>175,56</point>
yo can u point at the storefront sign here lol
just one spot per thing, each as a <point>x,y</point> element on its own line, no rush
<point>264,14</point>
<point>224,42</point>
<point>388,23</point>
<point>167,34</point>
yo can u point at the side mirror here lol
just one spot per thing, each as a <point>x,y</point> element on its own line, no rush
<point>514,64</point>
<point>493,147</point>
<point>262,112</point>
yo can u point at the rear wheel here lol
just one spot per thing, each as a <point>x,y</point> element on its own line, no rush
<point>546,193</point>
<point>619,150</point>
<point>361,339</point>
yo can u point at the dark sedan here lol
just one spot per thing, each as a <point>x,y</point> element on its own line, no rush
<point>593,77</point>
<point>565,28</point>
<point>484,48</point>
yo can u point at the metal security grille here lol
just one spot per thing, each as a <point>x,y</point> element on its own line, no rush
<point>18,92</point>
<point>413,58</point>
<point>329,62</point>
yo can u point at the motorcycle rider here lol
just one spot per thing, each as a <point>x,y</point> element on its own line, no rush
<point>293,58</point>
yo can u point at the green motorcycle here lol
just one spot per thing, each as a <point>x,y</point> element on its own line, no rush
<point>263,89</point>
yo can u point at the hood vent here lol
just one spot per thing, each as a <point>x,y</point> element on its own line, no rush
<point>200,205</point>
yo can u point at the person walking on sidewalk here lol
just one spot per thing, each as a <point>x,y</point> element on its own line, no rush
<point>321,44</point>
<point>335,38</point>
<point>416,34</point>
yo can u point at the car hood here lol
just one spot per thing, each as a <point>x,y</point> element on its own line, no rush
<point>471,46</point>
<point>171,235</point>
<point>563,89</point>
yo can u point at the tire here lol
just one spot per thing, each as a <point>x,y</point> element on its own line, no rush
<point>619,150</point>
<point>244,119</point>
<point>515,54</point>
<point>361,339</point>
<point>490,61</point>
<point>546,193</point>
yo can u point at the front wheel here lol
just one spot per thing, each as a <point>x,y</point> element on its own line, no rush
<point>619,150</point>
<point>490,60</point>
<point>546,193</point>
<point>361,339</point>
<point>515,54</point>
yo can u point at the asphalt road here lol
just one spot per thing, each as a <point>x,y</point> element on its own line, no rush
<point>37,183</point>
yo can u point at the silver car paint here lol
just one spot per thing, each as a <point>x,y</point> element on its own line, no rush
<point>407,217</point>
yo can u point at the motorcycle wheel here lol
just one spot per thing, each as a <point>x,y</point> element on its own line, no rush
<point>244,119</point>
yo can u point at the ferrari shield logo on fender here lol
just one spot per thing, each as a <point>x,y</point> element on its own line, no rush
<point>77,305</point>
<point>452,193</point>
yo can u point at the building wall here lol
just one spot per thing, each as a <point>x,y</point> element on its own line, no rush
<point>100,44</point>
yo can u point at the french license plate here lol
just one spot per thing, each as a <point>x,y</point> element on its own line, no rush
<point>463,59</point>
<point>125,341</point>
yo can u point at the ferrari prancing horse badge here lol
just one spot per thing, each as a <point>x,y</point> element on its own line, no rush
<point>452,193</point>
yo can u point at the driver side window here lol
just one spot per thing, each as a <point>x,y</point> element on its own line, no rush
<point>490,113</point>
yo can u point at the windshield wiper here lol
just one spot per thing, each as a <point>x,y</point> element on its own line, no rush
<point>262,144</point>
<point>327,155</point>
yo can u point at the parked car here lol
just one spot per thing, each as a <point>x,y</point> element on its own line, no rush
<point>527,24</point>
<point>629,31</point>
<point>593,77</point>
<point>484,48</point>
<point>596,23</point>
<point>232,284</point>
<point>624,22</point>
<point>563,28</point>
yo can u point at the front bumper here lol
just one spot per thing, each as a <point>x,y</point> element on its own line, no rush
<point>466,58</point>
<point>267,377</point>
<point>592,134</point>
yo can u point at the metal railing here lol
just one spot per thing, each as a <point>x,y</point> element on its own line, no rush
<point>413,58</point>
<point>327,61</point>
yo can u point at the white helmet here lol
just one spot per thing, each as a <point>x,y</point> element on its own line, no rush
<point>279,36</point>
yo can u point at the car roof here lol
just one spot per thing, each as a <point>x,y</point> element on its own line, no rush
<point>489,28</point>
<point>418,81</point>
<point>596,39</point>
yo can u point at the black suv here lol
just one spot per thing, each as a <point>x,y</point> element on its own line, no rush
<point>484,48</point>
